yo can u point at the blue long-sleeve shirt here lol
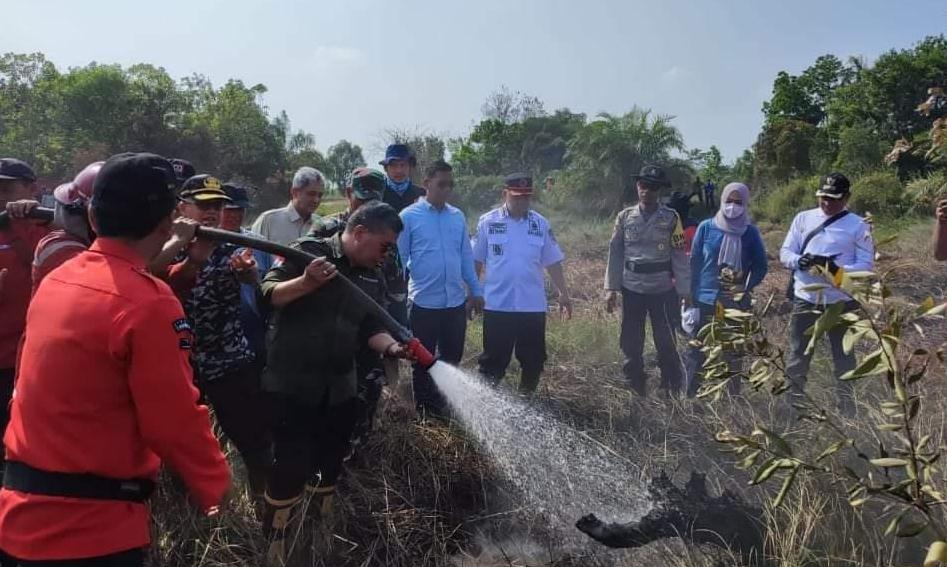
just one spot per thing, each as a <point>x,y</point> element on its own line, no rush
<point>436,252</point>
<point>705,251</point>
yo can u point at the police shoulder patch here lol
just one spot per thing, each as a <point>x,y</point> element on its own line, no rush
<point>181,325</point>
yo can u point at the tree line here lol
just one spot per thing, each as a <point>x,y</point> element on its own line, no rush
<point>835,114</point>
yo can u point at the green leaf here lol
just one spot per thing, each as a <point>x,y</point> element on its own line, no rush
<point>862,275</point>
<point>910,529</point>
<point>895,521</point>
<point>781,445</point>
<point>766,471</point>
<point>827,321</point>
<point>924,307</point>
<point>928,308</point>
<point>888,462</point>
<point>787,484</point>
<point>871,364</point>
<point>832,449</point>
<point>851,338</point>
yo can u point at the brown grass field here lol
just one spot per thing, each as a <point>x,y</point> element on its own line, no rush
<point>423,494</point>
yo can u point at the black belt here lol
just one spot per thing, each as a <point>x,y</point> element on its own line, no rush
<point>24,478</point>
<point>647,268</point>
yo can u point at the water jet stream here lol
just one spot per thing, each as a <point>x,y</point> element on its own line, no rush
<point>562,473</point>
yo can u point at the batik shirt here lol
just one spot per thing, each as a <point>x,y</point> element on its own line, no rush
<point>212,306</point>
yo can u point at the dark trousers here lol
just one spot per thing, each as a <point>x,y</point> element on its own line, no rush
<point>308,440</point>
<point>245,415</point>
<point>370,385</point>
<point>504,332</point>
<point>441,331</point>
<point>6,395</point>
<point>694,362</point>
<point>804,316</point>
<point>130,558</point>
<point>636,307</point>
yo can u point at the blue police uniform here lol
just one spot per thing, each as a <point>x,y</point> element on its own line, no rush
<point>515,253</point>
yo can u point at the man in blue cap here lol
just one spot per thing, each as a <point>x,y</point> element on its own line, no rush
<point>399,191</point>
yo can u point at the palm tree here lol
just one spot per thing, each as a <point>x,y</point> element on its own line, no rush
<point>613,148</point>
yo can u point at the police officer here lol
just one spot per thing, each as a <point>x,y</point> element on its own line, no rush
<point>318,330</point>
<point>515,244</point>
<point>648,270</point>
<point>105,391</point>
<point>366,185</point>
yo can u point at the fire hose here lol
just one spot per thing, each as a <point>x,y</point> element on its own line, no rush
<point>401,333</point>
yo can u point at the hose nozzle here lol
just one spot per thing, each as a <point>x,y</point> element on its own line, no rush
<point>422,355</point>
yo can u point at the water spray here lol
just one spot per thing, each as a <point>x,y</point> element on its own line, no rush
<point>401,333</point>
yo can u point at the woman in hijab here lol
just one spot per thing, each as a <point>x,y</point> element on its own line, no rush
<point>726,245</point>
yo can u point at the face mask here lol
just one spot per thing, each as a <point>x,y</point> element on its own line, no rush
<point>732,210</point>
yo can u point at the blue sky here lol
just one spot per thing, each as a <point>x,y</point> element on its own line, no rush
<point>351,69</point>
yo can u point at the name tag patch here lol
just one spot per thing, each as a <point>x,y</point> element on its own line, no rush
<point>497,228</point>
<point>181,325</point>
<point>534,229</point>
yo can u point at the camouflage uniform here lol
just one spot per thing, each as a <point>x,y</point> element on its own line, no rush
<point>369,369</point>
<point>224,362</point>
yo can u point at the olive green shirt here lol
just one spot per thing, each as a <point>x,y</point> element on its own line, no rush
<point>313,341</point>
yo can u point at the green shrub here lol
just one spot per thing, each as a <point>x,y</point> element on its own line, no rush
<point>879,193</point>
<point>476,195</point>
<point>781,204</point>
<point>922,193</point>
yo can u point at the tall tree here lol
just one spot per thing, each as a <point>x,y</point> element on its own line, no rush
<point>608,151</point>
<point>511,106</point>
<point>341,159</point>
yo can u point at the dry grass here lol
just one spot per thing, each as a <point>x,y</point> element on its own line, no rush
<point>422,494</point>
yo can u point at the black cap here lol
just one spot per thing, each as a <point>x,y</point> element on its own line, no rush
<point>183,170</point>
<point>518,184</point>
<point>132,182</point>
<point>12,168</point>
<point>834,186</point>
<point>239,198</point>
<point>202,188</point>
<point>654,175</point>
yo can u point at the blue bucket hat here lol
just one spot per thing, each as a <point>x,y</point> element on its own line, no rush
<point>398,151</point>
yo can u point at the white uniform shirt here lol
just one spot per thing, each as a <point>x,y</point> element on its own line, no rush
<point>848,240</point>
<point>282,225</point>
<point>515,253</point>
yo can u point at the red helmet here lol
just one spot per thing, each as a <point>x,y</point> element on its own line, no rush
<point>80,190</point>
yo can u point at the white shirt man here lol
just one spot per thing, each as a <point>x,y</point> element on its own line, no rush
<point>295,219</point>
<point>844,244</point>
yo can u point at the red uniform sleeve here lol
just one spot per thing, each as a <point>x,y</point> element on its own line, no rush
<point>182,280</point>
<point>172,423</point>
<point>26,235</point>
